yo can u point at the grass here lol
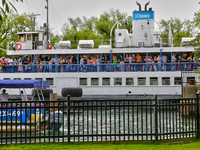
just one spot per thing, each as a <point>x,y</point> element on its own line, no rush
<point>60,146</point>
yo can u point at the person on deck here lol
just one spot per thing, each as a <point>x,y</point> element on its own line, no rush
<point>4,96</point>
<point>24,97</point>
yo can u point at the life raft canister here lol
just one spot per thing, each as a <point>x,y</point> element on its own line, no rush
<point>20,46</point>
<point>49,46</point>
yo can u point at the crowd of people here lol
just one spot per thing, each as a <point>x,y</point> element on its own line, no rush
<point>93,63</point>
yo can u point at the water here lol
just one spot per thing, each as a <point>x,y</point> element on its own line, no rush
<point>111,124</point>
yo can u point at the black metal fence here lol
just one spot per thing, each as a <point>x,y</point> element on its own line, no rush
<point>99,120</point>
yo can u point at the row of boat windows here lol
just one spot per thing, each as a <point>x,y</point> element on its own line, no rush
<point>129,81</point>
<point>118,81</point>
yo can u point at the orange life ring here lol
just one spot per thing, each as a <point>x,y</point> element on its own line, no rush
<point>49,47</point>
<point>20,46</point>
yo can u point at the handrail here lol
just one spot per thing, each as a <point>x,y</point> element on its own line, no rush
<point>125,67</point>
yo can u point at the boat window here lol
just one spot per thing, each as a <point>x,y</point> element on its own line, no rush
<point>21,38</point>
<point>177,81</point>
<point>38,78</point>
<point>129,81</point>
<point>94,81</point>
<point>83,81</point>
<point>153,81</point>
<point>166,81</point>
<point>117,81</point>
<point>50,80</point>
<point>106,81</point>
<point>141,81</point>
<point>190,78</point>
<point>27,78</point>
<point>28,37</point>
<point>17,78</point>
<point>6,78</point>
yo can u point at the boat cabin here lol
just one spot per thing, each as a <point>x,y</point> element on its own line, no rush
<point>31,40</point>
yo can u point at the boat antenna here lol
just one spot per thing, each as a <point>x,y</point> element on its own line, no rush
<point>33,16</point>
<point>47,7</point>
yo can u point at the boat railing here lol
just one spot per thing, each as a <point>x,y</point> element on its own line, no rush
<point>125,67</point>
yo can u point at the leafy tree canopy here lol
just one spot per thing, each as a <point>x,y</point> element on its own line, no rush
<point>93,28</point>
<point>12,24</point>
<point>6,4</point>
<point>179,29</point>
<point>106,21</point>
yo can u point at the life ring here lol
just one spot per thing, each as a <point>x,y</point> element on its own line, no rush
<point>20,46</point>
<point>49,47</point>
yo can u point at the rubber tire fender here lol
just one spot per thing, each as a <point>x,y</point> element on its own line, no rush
<point>73,92</point>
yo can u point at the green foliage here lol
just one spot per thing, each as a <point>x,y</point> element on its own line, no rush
<point>196,41</point>
<point>197,19</point>
<point>12,24</point>
<point>55,38</point>
<point>6,4</point>
<point>106,21</point>
<point>74,35</point>
<point>179,29</point>
<point>93,28</point>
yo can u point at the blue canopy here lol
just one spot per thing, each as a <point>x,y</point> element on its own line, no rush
<point>13,84</point>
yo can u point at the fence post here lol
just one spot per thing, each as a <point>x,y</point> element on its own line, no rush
<point>68,117</point>
<point>156,119</point>
<point>198,134</point>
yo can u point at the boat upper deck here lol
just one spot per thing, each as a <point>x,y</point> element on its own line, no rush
<point>100,51</point>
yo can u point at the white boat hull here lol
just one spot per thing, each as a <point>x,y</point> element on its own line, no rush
<point>61,80</point>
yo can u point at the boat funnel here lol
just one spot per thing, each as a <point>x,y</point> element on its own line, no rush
<point>146,6</point>
<point>139,5</point>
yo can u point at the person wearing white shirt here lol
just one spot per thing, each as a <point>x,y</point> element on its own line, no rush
<point>4,96</point>
<point>23,97</point>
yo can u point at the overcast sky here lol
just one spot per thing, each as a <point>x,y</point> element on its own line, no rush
<point>60,10</point>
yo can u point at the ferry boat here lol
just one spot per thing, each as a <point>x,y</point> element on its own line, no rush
<point>109,77</point>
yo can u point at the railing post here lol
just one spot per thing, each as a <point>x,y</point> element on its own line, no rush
<point>111,66</point>
<point>78,64</point>
<point>68,117</point>
<point>124,66</point>
<point>147,61</point>
<point>13,58</point>
<point>56,63</point>
<point>101,62</point>
<point>156,119</point>
<point>198,134</point>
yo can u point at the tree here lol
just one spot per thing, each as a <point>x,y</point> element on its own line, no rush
<point>81,29</point>
<point>55,38</point>
<point>74,35</point>
<point>106,21</point>
<point>179,29</point>
<point>6,4</point>
<point>10,25</point>
<point>85,22</point>
<point>197,39</point>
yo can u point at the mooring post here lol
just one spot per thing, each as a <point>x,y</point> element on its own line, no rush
<point>198,134</point>
<point>68,117</point>
<point>156,119</point>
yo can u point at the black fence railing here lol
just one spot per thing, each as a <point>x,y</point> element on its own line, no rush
<point>99,120</point>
